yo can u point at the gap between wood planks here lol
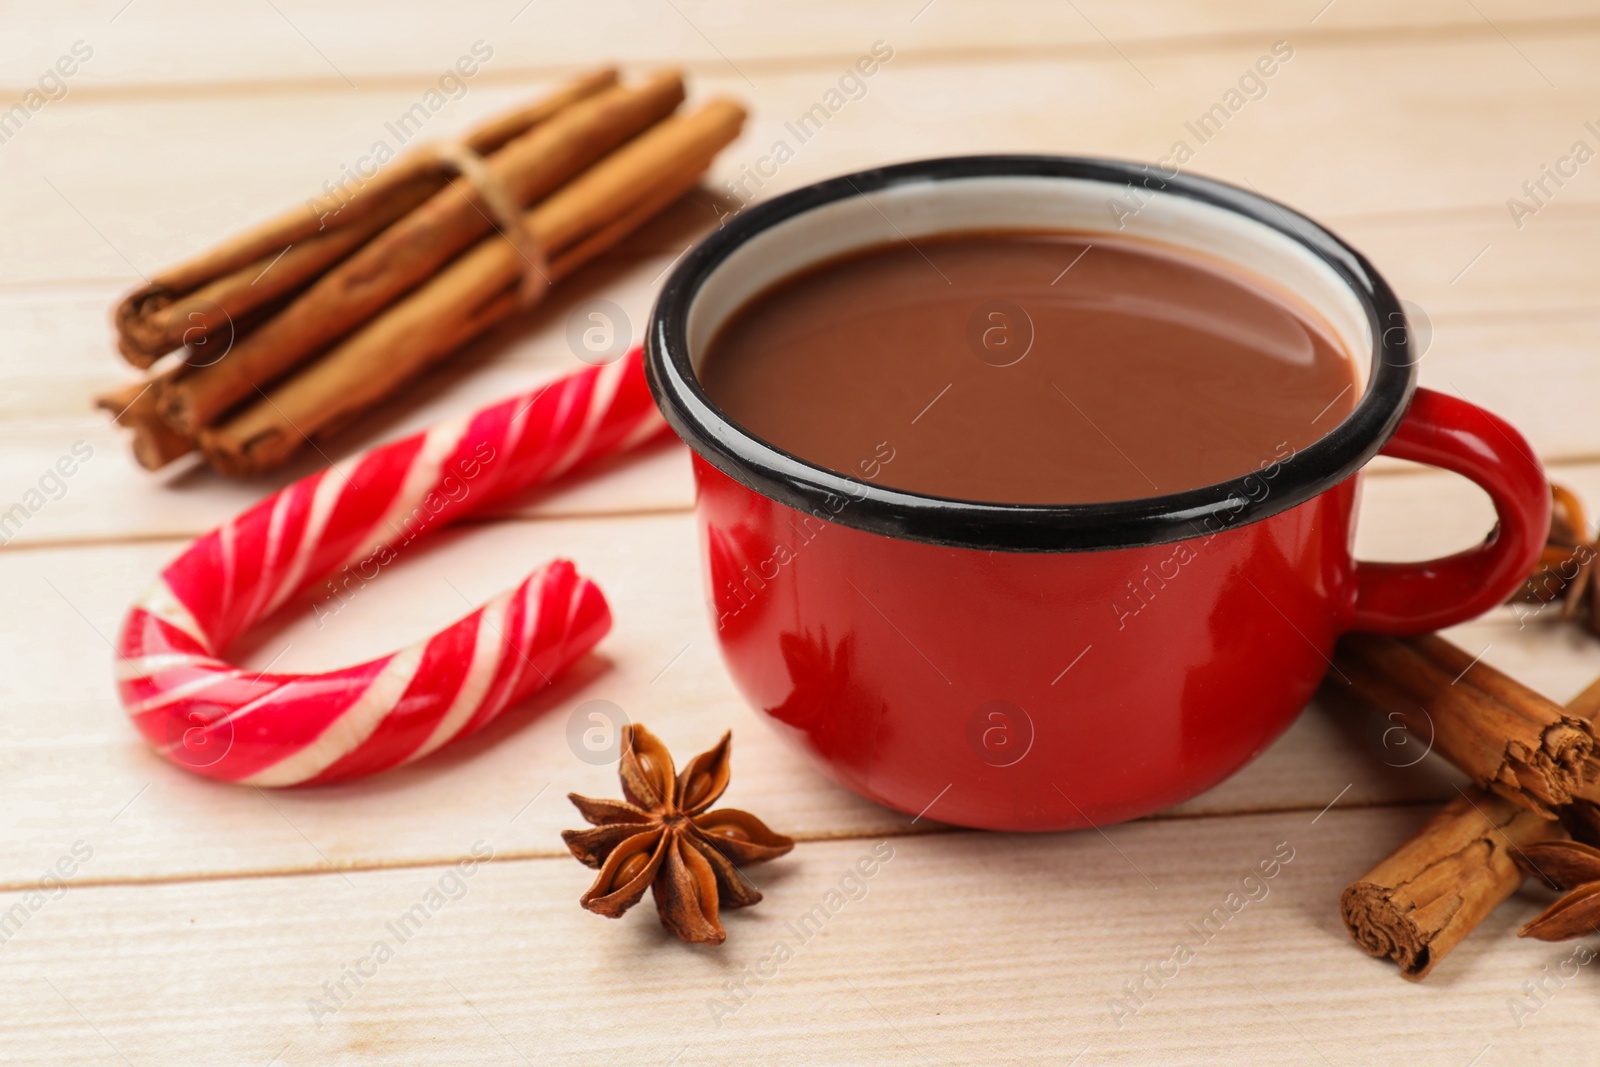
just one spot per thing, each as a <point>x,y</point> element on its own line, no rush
<point>1088,50</point>
<point>541,855</point>
<point>1403,218</point>
<point>181,538</point>
<point>178,539</point>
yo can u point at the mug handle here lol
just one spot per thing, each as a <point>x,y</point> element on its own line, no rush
<point>1412,598</point>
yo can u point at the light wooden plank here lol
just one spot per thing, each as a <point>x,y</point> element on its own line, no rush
<point>176,44</point>
<point>71,756</point>
<point>60,359</point>
<point>1409,126</point>
<point>1530,311</point>
<point>966,948</point>
<point>71,760</point>
<point>1475,268</point>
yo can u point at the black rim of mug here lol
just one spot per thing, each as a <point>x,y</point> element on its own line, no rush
<point>1153,520</point>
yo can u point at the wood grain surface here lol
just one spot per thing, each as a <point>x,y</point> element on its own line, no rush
<point>212,924</point>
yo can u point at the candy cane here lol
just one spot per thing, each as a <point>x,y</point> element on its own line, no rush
<point>267,729</point>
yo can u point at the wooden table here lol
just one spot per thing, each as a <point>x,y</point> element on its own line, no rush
<point>212,924</point>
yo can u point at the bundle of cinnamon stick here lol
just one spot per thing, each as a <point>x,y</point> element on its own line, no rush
<point>291,330</point>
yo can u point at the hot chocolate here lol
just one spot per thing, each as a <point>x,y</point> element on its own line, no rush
<point>1031,367</point>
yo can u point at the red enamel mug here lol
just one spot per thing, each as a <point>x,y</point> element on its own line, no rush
<point>1024,667</point>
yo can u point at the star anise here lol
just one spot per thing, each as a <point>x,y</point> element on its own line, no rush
<point>1574,868</point>
<point>663,838</point>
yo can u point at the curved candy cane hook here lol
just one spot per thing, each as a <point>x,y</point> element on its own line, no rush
<point>224,722</point>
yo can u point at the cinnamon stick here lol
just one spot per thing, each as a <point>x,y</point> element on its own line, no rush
<point>234,278</point>
<point>575,223</point>
<point>1420,902</point>
<point>1506,737</point>
<point>1582,816</point>
<point>1434,890</point>
<point>155,444</point>
<point>155,321</point>
<point>413,248</point>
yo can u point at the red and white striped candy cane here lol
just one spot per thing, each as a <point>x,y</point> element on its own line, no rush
<point>225,722</point>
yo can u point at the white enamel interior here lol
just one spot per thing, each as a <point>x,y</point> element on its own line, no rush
<point>906,212</point>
